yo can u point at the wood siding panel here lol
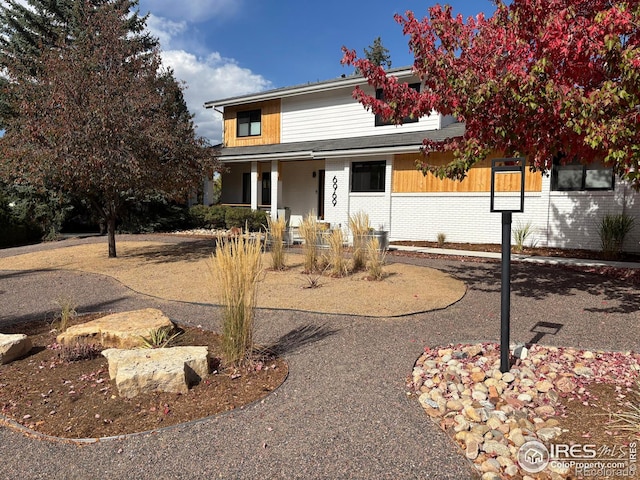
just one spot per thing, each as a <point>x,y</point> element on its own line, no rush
<point>406,179</point>
<point>270,128</point>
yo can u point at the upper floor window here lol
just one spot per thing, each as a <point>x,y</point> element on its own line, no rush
<point>368,176</point>
<point>249,123</point>
<point>380,121</point>
<point>575,176</point>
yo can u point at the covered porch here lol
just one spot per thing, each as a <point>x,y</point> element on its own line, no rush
<point>289,187</point>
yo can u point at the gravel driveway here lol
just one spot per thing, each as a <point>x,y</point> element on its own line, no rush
<point>343,412</point>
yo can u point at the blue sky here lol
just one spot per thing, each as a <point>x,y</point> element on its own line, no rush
<point>224,48</point>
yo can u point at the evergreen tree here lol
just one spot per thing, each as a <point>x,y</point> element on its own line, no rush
<point>377,54</point>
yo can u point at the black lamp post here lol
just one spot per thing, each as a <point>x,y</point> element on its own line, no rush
<point>507,203</point>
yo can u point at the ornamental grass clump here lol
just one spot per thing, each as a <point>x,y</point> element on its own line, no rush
<point>237,268</point>
<point>276,230</point>
<point>309,231</point>
<point>162,337</point>
<point>520,235</point>
<point>376,258</point>
<point>613,229</point>
<point>67,313</point>
<point>336,259</point>
<point>360,230</point>
<point>629,420</point>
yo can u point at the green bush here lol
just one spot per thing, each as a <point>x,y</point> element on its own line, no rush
<point>198,216</point>
<point>154,214</point>
<point>254,220</point>
<point>216,216</point>
<point>613,229</point>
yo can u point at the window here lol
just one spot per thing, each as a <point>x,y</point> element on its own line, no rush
<point>380,96</point>
<point>249,124</point>
<point>574,176</point>
<point>368,176</point>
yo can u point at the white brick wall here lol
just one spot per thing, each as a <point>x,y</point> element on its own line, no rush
<point>558,219</point>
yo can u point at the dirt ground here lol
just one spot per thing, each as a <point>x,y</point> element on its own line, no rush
<point>181,272</point>
<point>46,392</point>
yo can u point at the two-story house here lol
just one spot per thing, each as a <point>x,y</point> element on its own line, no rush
<point>314,148</point>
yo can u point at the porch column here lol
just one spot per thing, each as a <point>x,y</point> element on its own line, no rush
<point>274,188</point>
<point>254,185</point>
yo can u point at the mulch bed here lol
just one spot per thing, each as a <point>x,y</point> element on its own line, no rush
<point>76,399</point>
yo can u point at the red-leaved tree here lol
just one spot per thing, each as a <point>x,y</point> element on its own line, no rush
<point>540,78</point>
<point>101,119</point>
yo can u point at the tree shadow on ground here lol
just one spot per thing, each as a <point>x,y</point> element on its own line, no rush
<point>13,322</point>
<point>541,282</point>
<point>184,251</point>
<point>299,338</point>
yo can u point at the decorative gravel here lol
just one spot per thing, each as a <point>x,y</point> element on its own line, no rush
<point>491,414</point>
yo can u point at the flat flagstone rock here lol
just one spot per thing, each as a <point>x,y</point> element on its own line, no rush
<point>13,346</point>
<point>119,330</point>
<point>142,370</point>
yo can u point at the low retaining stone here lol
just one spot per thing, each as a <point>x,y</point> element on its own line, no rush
<point>120,330</point>
<point>157,370</point>
<point>13,346</point>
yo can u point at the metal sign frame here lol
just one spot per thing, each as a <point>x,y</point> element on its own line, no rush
<point>507,165</point>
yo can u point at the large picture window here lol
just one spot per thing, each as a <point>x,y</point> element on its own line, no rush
<point>575,176</point>
<point>368,176</point>
<point>249,123</point>
<point>380,121</point>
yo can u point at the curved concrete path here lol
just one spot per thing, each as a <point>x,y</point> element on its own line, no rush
<point>343,412</point>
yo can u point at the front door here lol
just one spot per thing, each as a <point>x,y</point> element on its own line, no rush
<point>266,188</point>
<point>321,194</point>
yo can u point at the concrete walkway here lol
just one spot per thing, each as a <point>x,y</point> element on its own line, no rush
<point>343,412</point>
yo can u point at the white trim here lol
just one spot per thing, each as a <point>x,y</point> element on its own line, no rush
<point>268,157</point>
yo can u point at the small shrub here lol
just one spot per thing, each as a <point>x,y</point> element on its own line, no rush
<point>613,229</point>
<point>276,230</point>
<point>441,239</point>
<point>309,231</point>
<point>236,267</point>
<point>252,220</point>
<point>198,216</point>
<point>67,313</point>
<point>376,256</point>
<point>336,258</point>
<point>216,217</point>
<point>78,351</point>
<point>160,337</point>
<point>360,228</point>
<point>520,235</point>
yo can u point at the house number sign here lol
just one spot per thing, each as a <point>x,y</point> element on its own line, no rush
<point>334,197</point>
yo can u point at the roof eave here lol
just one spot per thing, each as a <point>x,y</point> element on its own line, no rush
<point>299,90</point>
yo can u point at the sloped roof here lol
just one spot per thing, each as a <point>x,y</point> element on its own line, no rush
<point>389,143</point>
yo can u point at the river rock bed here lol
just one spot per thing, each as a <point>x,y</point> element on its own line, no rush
<point>491,414</point>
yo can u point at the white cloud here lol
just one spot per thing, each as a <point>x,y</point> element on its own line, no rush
<point>192,10</point>
<point>164,29</point>
<point>207,77</point>
<point>211,78</point>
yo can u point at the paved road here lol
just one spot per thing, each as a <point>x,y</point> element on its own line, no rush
<point>343,412</point>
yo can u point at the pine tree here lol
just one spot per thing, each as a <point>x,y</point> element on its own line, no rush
<point>377,54</point>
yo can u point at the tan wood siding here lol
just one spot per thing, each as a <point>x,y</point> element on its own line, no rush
<point>406,179</point>
<point>269,128</point>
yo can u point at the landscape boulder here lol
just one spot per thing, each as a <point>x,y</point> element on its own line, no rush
<point>13,346</point>
<point>142,370</point>
<point>119,330</point>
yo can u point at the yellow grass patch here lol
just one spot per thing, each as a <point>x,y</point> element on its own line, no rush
<point>180,272</point>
